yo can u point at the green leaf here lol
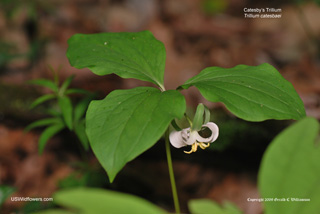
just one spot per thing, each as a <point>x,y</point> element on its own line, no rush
<point>212,7</point>
<point>128,122</point>
<point>129,55</point>
<point>55,74</point>
<point>53,112</point>
<point>43,122</point>
<point>66,84</point>
<point>80,131</point>
<point>89,201</point>
<point>74,180</point>
<point>198,118</point>
<point>5,192</point>
<point>54,211</point>
<point>77,91</point>
<point>207,115</point>
<point>34,206</point>
<point>253,93</point>
<point>290,169</point>
<point>205,206</point>
<point>81,108</point>
<point>66,108</point>
<point>175,125</point>
<point>47,134</point>
<point>46,83</point>
<point>42,99</point>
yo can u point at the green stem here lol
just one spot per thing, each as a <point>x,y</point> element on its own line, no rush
<point>162,88</point>
<point>173,183</point>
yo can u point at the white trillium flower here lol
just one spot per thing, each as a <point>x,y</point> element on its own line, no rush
<point>189,137</point>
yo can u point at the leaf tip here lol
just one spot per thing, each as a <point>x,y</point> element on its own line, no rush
<point>111,177</point>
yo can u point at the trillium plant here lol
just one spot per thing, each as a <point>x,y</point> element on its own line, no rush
<point>128,122</point>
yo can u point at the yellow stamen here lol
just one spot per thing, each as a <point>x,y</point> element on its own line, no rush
<point>194,148</point>
<point>204,145</point>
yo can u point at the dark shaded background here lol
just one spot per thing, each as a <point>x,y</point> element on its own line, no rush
<point>196,34</point>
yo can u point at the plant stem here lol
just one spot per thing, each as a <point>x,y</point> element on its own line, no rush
<point>172,180</point>
<point>162,88</point>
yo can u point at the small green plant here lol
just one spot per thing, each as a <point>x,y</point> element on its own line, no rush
<point>65,115</point>
<point>5,192</point>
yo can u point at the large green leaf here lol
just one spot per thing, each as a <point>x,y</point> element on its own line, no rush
<point>205,206</point>
<point>129,55</point>
<point>90,201</point>
<point>128,122</point>
<point>253,93</point>
<point>290,169</point>
<point>54,211</point>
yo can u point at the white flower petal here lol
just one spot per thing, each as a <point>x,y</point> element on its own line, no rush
<point>182,138</point>
<point>214,130</point>
<point>176,139</point>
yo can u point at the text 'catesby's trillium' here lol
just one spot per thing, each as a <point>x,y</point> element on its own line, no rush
<point>187,137</point>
